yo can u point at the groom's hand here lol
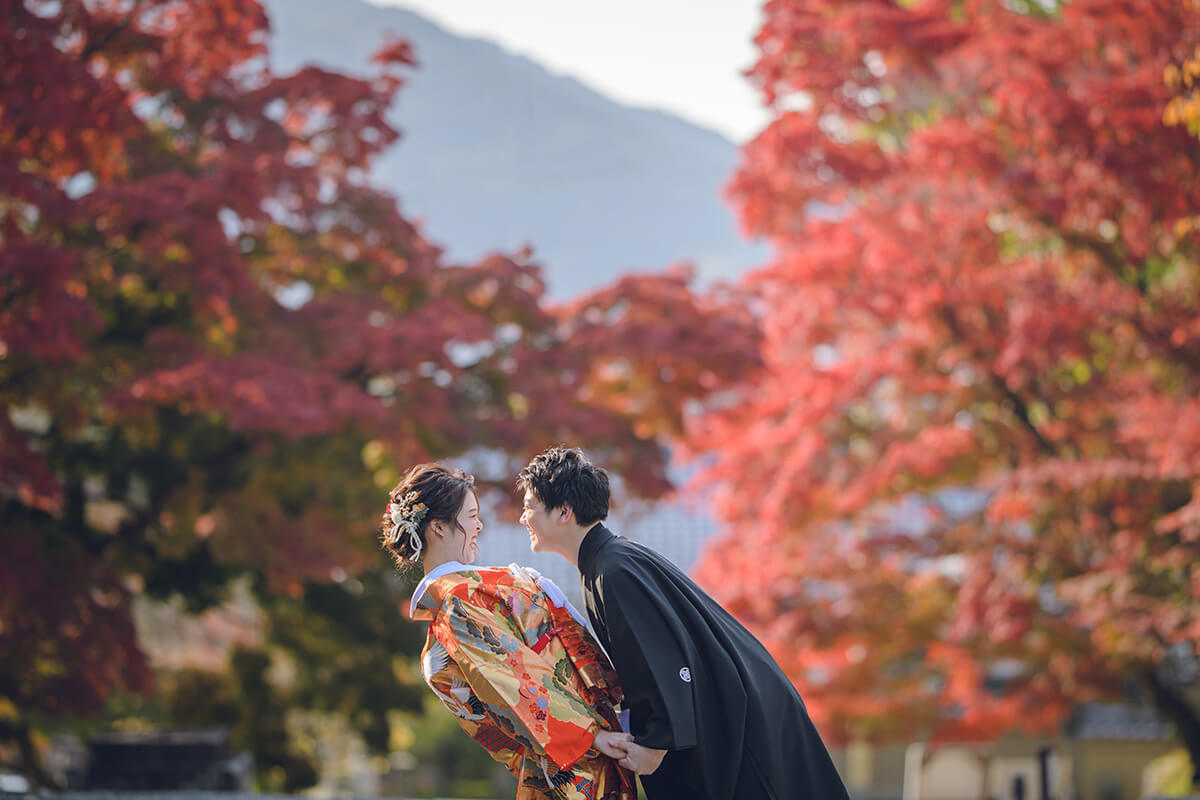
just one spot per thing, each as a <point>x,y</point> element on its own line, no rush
<point>642,760</point>
<point>612,743</point>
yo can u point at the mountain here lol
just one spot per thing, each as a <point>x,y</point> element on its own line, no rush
<point>498,152</point>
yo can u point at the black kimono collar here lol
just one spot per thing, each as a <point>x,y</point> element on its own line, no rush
<point>593,540</point>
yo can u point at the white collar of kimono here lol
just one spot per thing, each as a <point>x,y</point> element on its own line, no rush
<point>431,576</point>
<point>550,588</point>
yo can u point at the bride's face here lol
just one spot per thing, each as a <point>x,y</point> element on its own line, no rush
<point>466,535</point>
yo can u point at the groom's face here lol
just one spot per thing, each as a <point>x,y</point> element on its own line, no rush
<point>540,522</point>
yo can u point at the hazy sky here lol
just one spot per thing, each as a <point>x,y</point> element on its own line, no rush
<point>682,56</point>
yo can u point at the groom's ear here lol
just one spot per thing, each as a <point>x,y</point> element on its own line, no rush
<point>566,515</point>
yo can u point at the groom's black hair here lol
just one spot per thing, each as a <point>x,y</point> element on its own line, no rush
<point>562,476</point>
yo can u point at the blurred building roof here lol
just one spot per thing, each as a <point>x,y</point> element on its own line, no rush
<point>1115,721</point>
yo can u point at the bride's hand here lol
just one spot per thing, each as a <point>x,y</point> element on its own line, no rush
<point>611,743</point>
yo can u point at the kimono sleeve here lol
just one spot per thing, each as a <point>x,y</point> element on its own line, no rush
<point>649,650</point>
<point>479,726</point>
<point>518,685</point>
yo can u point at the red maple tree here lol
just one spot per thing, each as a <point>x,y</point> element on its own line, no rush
<point>963,493</point>
<point>219,342</point>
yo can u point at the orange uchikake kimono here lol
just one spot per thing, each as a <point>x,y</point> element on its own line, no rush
<point>523,677</point>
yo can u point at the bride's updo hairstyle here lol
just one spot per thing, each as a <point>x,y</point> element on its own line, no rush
<point>428,492</point>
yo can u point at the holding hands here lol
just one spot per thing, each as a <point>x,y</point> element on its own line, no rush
<point>611,743</point>
<point>630,755</point>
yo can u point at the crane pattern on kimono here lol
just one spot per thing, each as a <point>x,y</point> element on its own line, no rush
<point>458,699</point>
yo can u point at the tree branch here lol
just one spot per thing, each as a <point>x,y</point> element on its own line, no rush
<point>98,45</point>
<point>1020,407</point>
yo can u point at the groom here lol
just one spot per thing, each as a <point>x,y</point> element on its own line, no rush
<point>712,715</point>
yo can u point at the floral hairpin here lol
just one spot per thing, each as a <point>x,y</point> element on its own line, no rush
<point>406,518</point>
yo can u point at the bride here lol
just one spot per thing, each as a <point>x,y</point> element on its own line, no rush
<point>506,653</point>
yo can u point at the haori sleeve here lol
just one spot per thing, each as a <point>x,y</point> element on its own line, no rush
<point>648,648</point>
<point>522,689</point>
